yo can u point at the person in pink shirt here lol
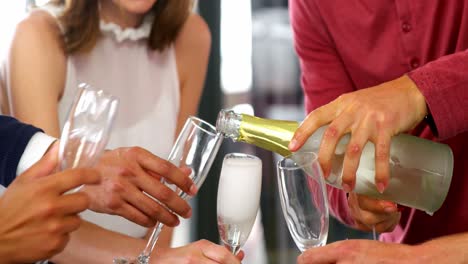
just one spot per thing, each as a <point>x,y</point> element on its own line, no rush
<point>375,69</point>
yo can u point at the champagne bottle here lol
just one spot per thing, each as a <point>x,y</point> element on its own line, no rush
<point>420,170</point>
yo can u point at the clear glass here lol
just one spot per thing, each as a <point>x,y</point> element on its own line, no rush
<point>195,148</point>
<point>238,198</point>
<point>87,129</point>
<point>304,199</point>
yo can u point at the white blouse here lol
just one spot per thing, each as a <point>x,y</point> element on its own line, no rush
<point>147,84</point>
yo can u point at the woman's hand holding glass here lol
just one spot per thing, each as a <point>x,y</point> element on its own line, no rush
<point>194,150</point>
<point>129,173</point>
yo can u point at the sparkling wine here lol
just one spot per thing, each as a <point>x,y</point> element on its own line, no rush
<point>238,198</point>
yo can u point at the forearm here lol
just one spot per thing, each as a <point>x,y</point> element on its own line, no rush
<point>92,244</point>
<point>443,83</point>
<point>165,238</point>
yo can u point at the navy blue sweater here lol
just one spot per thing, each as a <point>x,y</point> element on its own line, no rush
<point>14,137</point>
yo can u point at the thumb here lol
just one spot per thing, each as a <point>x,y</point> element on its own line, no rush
<point>45,166</point>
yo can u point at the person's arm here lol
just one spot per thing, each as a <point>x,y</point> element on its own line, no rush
<point>192,48</point>
<point>323,75</point>
<point>443,84</point>
<point>36,72</point>
<point>14,139</point>
<point>112,245</point>
<point>36,217</point>
<point>447,249</point>
<point>37,65</point>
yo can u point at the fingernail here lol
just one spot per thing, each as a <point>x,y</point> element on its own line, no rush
<point>292,144</point>
<point>193,190</point>
<point>189,213</point>
<point>381,187</point>
<point>346,187</point>
<point>390,209</point>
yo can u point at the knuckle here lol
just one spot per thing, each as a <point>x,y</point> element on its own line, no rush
<point>115,186</point>
<point>55,227</point>
<point>191,259</point>
<point>331,132</point>
<point>76,222</point>
<point>381,152</point>
<point>348,249</point>
<point>165,195</point>
<point>82,202</point>
<point>135,150</point>
<point>164,166</point>
<point>203,243</point>
<point>353,150</point>
<point>56,244</point>
<point>123,170</point>
<point>367,219</point>
<point>113,203</point>
<point>48,209</point>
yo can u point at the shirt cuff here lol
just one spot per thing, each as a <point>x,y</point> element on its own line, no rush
<point>36,148</point>
<point>2,190</point>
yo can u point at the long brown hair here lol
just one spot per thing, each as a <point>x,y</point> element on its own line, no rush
<point>81,23</point>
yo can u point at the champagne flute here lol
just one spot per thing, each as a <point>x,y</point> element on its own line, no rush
<point>303,197</point>
<point>87,128</point>
<point>238,198</point>
<point>195,148</point>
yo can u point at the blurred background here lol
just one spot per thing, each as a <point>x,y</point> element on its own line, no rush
<point>253,69</point>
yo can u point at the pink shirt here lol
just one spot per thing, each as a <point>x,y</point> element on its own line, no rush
<point>346,45</point>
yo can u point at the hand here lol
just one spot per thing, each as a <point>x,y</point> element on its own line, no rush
<point>368,212</point>
<point>198,252</point>
<point>359,251</point>
<point>127,173</point>
<point>35,218</point>
<point>374,114</point>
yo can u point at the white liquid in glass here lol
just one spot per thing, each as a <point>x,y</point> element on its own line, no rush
<point>238,199</point>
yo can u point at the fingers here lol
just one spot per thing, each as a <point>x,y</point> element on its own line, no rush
<point>382,159</point>
<point>72,203</point>
<point>166,169</point>
<point>65,225</point>
<point>375,206</point>
<point>70,179</point>
<point>218,253</point>
<point>326,254</point>
<point>152,208</point>
<point>330,139</point>
<point>369,212</point>
<point>45,166</point>
<point>240,256</point>
<point>163,194</point>
<point>313,121</point>
<point>131,213</point>
<point>352,157</point>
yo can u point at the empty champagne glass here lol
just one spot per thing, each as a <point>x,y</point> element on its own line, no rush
<point>238,198</point>
<point>195,148</point>
<point>303,197</point>
<point>87,128</point>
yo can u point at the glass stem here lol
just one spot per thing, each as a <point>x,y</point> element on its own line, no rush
<point>151,243</point>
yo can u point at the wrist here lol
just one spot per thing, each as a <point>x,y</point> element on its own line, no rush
<point>416,99</point>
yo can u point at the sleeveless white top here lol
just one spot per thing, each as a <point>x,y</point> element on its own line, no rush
<point>147,84</point>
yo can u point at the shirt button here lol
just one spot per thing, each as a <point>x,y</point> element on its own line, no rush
<point>406,27</point>
<point>414,63</point>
